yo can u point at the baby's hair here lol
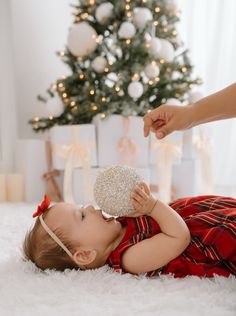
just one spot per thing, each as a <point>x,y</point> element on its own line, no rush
<point>41,249</point>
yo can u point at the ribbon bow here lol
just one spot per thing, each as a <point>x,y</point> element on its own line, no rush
<point>42,207</point>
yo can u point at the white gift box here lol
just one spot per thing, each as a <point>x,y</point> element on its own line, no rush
<point>187,178</point>
<point>78,141</point>
<point>80,185</point>
<point>190,139</point>
<point>31,162</point>
<point>171,145</point>
<point>120,140</point>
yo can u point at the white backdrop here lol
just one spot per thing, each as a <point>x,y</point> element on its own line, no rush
<point>34,30</point>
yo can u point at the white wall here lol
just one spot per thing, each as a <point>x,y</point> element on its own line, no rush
<point>8,122</point>
<point>39,29</point>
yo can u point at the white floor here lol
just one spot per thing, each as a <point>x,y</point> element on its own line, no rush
<point>26,291</point>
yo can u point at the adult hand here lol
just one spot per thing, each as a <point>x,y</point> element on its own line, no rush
<point>166,119</point>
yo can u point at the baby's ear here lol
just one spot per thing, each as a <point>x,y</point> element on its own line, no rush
<point>84,256</point>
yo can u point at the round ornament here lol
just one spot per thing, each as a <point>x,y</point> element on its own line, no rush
<point>135,89</point>
<point>99,63</point>
<point>167,51</point>
<point>82,39</point>
<point>103,12</point>
<point>126,30</point>
<point>113,187</point>
<point>141,17</point>
<point>154,46</point>
<point>152,70</point>
<point>54,106</point>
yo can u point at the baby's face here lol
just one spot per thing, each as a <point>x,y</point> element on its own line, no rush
<point>83,225</point>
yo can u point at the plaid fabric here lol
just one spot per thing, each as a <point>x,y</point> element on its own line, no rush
<point>212,223</point>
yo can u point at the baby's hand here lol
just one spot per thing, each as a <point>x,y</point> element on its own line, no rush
<point>142,200</point>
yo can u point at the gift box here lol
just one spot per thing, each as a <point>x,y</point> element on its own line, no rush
<point>83,187</point>
<point>120,141</point>
<point>187,178</point>
<point>190,139</point>
<point>164,154</point>
<point>73,144</point>
<point>31,163</point>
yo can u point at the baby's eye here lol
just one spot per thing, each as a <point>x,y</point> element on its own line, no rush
<point>82,215</point>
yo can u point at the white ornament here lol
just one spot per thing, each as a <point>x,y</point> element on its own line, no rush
<point>173,101</point>
<point>154,46</point>
<point>167,51</point>
<point>152,70</point>
<point>54,106</point>
<point>135,89</point>
<point>141,17</point>
<point>82,39</point>
<point>126,30</point>
<point>113,187</point>
<point>103,12</point>
<point>99,64</point>
<point>194,96</point>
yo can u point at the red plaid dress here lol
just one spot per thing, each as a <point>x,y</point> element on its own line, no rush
<point>212,224</point>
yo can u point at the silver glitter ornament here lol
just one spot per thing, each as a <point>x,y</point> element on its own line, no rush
<point>113,187</point>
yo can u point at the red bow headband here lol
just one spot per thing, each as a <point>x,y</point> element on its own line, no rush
<point>42,207</point>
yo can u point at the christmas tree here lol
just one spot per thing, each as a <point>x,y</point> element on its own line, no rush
<point>125,58</point>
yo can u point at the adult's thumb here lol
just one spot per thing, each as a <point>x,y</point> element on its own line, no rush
<point>164,131</point>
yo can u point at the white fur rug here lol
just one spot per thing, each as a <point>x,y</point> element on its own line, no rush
<point>26,291</point>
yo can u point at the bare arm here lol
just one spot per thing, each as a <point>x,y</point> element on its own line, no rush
<point>218,106</point>
<point>157,251</point>
<point>167,118</point>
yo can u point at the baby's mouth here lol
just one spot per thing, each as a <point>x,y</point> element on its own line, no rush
<point>108,219</point>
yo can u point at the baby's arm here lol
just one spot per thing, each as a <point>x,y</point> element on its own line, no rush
<point>155,252</point>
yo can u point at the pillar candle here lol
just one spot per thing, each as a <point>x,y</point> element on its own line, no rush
<point>15,187</point>
<point>3,191</point>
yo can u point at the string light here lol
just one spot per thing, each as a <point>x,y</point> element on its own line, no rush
<point>157,9</point>
<point>81,76</point>
<point>63,77</point>
<point>103,115</point>
<point>127,6</point>
<point>74,109</point>
<point>93,106</point>
<point>84,15</point>
<point>157,79</point>
<point>106,69</point>
<point>135,77</point>
<point>50,117</point>
<point>92,92</point>
<point>128,41</point>
<point>110,63</point>
<point>162,61</point>
<point>91,2</point>
<point>61,53</point>
<point>190,86</point>
<point>165,29</point>
<point>104,99</point>
<point>64,95</point>
<point>60,85</point>
<point>184,69</point>
<point>150,82</point>
<point>73,103</point>
<point>117,88</point>
<point>36,119</point>
<point>155,23</point>
<point>174,32</point>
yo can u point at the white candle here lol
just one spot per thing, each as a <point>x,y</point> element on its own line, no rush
<point>15,187</point>
<point>3,190</point>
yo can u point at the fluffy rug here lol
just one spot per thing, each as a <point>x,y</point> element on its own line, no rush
<point>24,290</point>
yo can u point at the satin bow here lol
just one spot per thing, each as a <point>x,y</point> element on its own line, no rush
<point>43,206</point>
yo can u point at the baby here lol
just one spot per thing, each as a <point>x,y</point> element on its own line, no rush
<point>191,236</point>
